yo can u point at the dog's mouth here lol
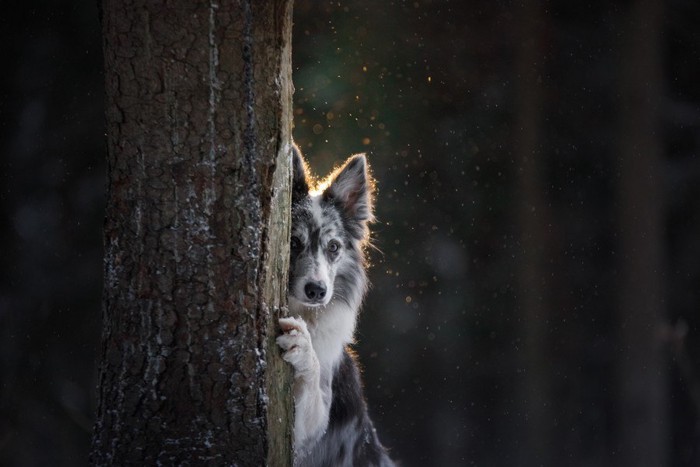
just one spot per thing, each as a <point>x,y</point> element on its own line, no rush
<point>306,303</point>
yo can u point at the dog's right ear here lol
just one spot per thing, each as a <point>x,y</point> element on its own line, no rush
<point>300,176</point>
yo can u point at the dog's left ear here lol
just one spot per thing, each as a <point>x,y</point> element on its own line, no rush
<point>352,187</point>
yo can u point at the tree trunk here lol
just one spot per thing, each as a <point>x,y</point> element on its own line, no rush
<point>641,395</point>
<point>196,233</point>
<point>533,215</point>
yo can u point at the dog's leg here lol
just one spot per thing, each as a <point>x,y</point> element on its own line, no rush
<point>311,402</point>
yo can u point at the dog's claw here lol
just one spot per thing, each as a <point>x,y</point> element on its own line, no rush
<point>295,343</point>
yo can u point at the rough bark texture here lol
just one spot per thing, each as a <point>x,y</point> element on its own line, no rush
<point>196,233</point>
<point>642,387</point>
<point>533,218</point>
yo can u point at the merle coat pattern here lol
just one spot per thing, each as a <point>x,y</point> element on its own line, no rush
<point>327,282</point>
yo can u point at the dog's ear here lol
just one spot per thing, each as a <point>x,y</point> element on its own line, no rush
<point>352,187</point>
<point>300,176</point>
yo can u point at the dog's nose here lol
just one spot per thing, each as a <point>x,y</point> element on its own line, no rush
<point>315,291</point>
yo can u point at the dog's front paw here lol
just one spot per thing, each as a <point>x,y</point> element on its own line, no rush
<point>296,344</point>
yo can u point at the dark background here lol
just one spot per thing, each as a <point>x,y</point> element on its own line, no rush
<point>429,89</point>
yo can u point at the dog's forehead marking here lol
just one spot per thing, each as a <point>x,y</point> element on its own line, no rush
<point>317,222</point>
<point>316,210</point>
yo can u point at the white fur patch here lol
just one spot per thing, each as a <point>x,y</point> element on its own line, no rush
<point>312,397</point>
<point>316,209</point>
<point>314,347</point>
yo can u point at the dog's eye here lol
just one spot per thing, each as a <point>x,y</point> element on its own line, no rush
<point>296,243</point>
<point>333,246</point>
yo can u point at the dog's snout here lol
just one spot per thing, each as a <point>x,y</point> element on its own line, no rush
<point>315,291</point>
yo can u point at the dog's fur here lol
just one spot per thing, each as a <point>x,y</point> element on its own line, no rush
<point>327,282</point>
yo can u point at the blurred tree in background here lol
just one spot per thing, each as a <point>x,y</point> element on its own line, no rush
<point>641,402</point>
<point>471,112</point>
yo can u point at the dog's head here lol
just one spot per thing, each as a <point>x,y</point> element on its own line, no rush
<point>329,229</point>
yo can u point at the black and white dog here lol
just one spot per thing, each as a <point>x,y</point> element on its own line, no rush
<point>327,282</point>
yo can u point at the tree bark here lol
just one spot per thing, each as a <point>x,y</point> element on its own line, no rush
<point>533,215</point>
<point>641,395</point>
<point>196,233</point>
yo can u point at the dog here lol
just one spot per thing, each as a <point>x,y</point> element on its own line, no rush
<point>327,282</point>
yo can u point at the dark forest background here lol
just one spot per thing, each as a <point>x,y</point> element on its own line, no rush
<point>538,222</point>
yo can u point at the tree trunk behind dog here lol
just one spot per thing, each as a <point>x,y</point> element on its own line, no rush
<point>196,234</point>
